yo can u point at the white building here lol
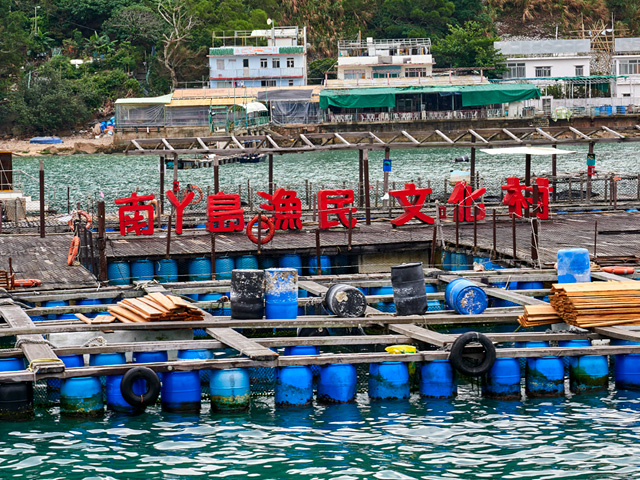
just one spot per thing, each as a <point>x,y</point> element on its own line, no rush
<point>382,62</point>
<point>626,65</point>
<point>278,58</point>
<point>539,61</point>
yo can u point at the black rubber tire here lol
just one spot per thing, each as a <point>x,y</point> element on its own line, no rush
<point>458,346</point>
<point>153,387</point>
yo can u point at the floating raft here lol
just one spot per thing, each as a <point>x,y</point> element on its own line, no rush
<point>598,304</point>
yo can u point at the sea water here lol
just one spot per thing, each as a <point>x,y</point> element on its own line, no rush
<point>114,176</point>
<point>585,437</point>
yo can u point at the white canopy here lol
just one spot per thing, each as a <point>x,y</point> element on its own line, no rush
<point>255,107</point>
<point>526,150</point>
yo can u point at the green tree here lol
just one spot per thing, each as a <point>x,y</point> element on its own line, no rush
<point>468,46</point>
<point>137,24</point>
<point>14,42</point>
<point>318,68</point>
<point>413,18</point>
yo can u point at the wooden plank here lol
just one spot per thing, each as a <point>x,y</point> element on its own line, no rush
<point>478,136</point>
<point>612,132</point>
<point>607,277</point>
<point>40,356</point>
<point>423,335</point>
<point>580,134</point>
<point>239,342</point>
<point>515,137</point>
<point>444,137</point>
<point>619,333</point>
<point>407,135</point>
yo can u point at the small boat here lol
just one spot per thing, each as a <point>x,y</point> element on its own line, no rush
<point>45,140</point>
<point>252,158</point>
<point>463,158</point>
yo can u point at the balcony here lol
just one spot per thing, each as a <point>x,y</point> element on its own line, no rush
<point>253,73</point>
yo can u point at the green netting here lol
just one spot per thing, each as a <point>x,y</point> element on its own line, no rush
<point>221,51</point>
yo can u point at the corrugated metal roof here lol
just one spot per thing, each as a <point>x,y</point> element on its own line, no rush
<point>203,102</point>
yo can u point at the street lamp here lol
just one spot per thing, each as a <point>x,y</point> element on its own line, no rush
<point>35,15</point>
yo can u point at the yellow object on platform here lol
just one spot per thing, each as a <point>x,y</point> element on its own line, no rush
<point>396,349</point>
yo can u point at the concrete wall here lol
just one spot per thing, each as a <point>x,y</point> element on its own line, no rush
<point>560,66</point>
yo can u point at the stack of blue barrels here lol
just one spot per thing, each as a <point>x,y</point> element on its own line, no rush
<point>325,265</point>
<point>166,270</point>
<point>119,273</point>
<point>142,270</point>
<point>199,269</point>
<point>224,266</point>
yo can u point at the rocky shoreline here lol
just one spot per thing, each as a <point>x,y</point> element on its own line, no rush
<point>74,144</point>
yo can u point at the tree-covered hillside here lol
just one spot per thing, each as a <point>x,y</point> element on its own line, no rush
<point>63,62</point>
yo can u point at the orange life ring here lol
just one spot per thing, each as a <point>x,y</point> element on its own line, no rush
<point>80,213</point>
<point>263,220</point>
<point>619,270</point>
<point>73,250</point>
<point>198,190</point>
<point>27,282</point>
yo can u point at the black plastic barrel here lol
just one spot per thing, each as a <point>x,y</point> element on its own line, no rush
<point>247,294</point>
<point>16,400</point>
<point>409,293</point>
<point>345,301</point>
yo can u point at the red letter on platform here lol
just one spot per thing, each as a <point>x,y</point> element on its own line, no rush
<point>225,213</point>
<point>543,198</point>
<point>332,202</point>
<point>286,208</point>
<point>411,207</point>
<point>136,222</point>
<point>464,199</point>
<point>514,197</point>
<point>179,206</point>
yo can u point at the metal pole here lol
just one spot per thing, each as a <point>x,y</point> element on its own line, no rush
<point>213,256</point>
<point>495,250</point>
<point>102,243</point>
<point>42,225</point>
<point>318,261</point>
<point>472,165</point>
<point>434,240</point>
<point>385,178</point>
<point>360,178</point>
<point>513,232</point>
<point>271,174</point>
<point>527,169</point>
<point>554,173</point>
<point>161,196</point>
<point>595,242</point>
<point>367,197</point>
<point>591,148</point>
<point>350,230</point>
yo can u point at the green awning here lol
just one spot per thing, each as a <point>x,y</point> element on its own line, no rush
<point>472,95</point>
<point>358,98</point>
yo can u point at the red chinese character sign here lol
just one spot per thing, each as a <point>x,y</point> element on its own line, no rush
<point>542,212</point>
<point>224,213</point>
<point>135,216</point>
<point>464,197</point>
<point>179,207</point>
<point>333,202</point>
<point>515,198</point>
<point>286,208</point>
<point>412,200</point>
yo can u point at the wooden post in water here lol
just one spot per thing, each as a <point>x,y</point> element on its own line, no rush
<point>527,169</point>
<point>385,178</point>
<point>161,196</point>
<point>318,261</point>
<point>554,173</point>
<point>455,214</point>
<point>102,243</point>
<point>475,228</point>
<point>591,148</point>
<point>513,232</point>
<point>216,175</point>
<point>350,230</point>
<point>42,224</point>
<point>595,242</point>
<point>534,224</point>
<point>213,255</point>
<point>472,165</point>
<point>68,199</point>
<point>367,196</point>
<point>434,240</point>
<point>271,174</point>
<point>360,178</point>
<point>494,253</point>
<point>615,194</point>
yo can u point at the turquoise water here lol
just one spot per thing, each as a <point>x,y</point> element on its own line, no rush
<point>586,437</point>
<point>118,175</point>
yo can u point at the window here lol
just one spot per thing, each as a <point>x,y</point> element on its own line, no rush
<point>263,63</point>
<point>267,83</point>
<point>543,72</point>
<point>219,64</point>
<point>353,74</point>
<point>515,70</point>
<point>291,83</point>
<point>245,63</point>
<point>415,72</point>
<point>629,67</point>
<point>579,70</point>
<point>394,74</point>
<point>275,63</point>
<point>290,62</point>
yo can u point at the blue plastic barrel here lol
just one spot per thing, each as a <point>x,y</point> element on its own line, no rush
<point>587,373</point>
<point>447,261</point>
<point>67,316</point>
<point>627,367</point>
<point>305,350</point>
<point>621,109</point>
<point>199,269</point>
<point>265,262</point>
<point>198,354</point>
<point>294,386</point>
<point>337,383</point>
<point>181,392</point>
<point>609,109</point>
<point>109,358</point>
<point>230,390</point>
<point>224,266</point>
<point>544,376</point>
<point>247,262</point>
<point>465,298</point>
<point>119,273</point>
<point>430,288</point>
<point>89,301</point>
<point>55,303</point>
<point>81,397</point>
<point>54,384</point>
<point>573,265</point>
<point>388,381</point>
<point>341,264</point>
<point>459,262</point>
<point>325,265</point>
<point>151,356</point>
<point>291,260</point>
<point>389,307</point>
<point>281,293</point>
<point>437,380</point>
<point>142,270</point>
<point>37,318</point>
<point>166,270</point>
<point>503,380</point>
<point>16,398</point>
<point>115,400</point>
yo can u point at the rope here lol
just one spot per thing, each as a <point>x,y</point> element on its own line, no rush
<point>95,342</point>
<point>38,341</point>
<point>41,360</point>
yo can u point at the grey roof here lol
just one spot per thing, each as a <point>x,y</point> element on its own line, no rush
<point>533,47</point>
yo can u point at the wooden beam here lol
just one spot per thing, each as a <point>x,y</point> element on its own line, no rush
<point>239,342</point>
<point>40,356</point>
<point>580,134</point>
<point>238,144</point>
<point>423,335</point>
<point>607,129</point>
<point>137,145</point>
<point>619,333</point>
<point>515,137</point>
<point>444,137</point>
<point>608,277</point>
<point>202,144</point>
<point>373,135</point>
<point>167,144</point>
<point>272,142</point>
<point>413,140</point>
<point>307,141</point>
<point>340,137</point>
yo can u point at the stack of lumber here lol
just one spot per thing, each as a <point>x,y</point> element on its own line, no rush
<point>155,307</point>
<point>598,304</point>
<point>97,319</point>
<point>539,315</point>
